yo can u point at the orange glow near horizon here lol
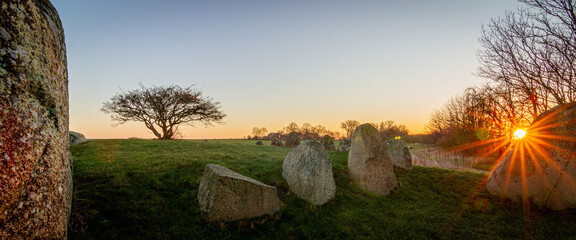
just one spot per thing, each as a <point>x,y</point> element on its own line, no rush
<point>235,128</point>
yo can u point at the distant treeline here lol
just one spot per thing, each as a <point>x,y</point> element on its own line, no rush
<point>388,129</point>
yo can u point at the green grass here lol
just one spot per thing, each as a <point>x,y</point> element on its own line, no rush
<point>146,189</point>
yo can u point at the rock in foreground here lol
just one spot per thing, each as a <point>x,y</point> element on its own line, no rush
<point>308,171</point>
<point>368,162</point>
<point>550,172</point>
<point>35,165</point>
<point>225,195</point>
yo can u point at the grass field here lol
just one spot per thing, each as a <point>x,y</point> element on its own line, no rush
<point>146,189</point>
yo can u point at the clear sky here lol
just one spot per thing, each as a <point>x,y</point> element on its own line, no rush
<point>273,62</point>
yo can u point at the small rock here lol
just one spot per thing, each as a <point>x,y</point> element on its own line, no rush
<point>328,143</point>
<point>344,145</point>
<point>399,152</point>
<point>293,139</point>
<point>76,138</point>
<point>276,142</point>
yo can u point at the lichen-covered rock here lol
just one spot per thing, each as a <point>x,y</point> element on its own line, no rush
<point>542,165</point>
<point>308,171</point>
<point>344,145</point>
<point>225,195</point>
<point>399,152</point>
<point>76,138</point>
<point>368,162</point>
<point>276,142</point>
<point>293,140</point>
<point>328,143</point>
<point>35,171</point>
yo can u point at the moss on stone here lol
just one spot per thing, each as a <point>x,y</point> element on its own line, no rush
<point>35,188</point>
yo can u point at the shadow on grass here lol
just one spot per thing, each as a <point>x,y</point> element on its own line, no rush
<point>149,191</point>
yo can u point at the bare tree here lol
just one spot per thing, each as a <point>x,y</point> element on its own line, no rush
<point>319,131</point>
<point>349,126</point>
<point>533,52</point>
<point>292,127</point>
<point>258,132</point>
<point>306,131</point>
<point>164,108</point>
<point>389,129</point>
<point>492,111</point>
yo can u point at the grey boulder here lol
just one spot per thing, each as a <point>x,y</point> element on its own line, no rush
<point>368,162</point>
<point>399,152</point>
<point>308,171</point>
<point>225,195</point>
<point>76,138</point>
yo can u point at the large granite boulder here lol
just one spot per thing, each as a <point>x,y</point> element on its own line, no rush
<point>399,152</point>
<point>542,165</point>
<point>368,162</point>
<point>35,167</point>
<point>276,142</point>
<point>328,143</point>
<point>344,145</point>
<point>76,138</point>
<point>225,195</point>
<point>308,171</point>
<point>293,140</point>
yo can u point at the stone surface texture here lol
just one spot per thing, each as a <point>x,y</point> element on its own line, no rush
<point>76,138</point>
<point>225,195</point>
<point>293,140</point>
<point>328,143</point>
<point>35,162</point>
<point>399,152</point>
<point>308,171</point>
<point>368,162</point>
<point>548,164</point>
<point>344,145</point>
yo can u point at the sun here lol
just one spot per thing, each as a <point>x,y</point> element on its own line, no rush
<point>519,133</point>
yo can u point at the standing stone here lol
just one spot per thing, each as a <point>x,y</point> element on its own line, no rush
<point>35,162</point>
<point>550,172</point>
<point>225,195</point>
<point>293,139</point>
<point>344,145</point>
<point>308,171</point>
<point>76,138</point>
<point>328,143</point>
<point>399,152</point>
<point>276,142</point>
<point>368,162</point>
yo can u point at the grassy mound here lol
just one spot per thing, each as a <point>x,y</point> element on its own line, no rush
<point>146,189</point>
